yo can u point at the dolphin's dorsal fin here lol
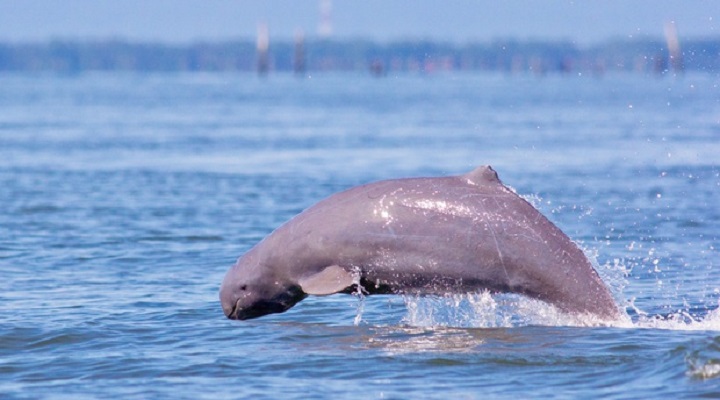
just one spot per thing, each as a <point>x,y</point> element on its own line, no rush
<point>482,175</point>
<point>332,279</point>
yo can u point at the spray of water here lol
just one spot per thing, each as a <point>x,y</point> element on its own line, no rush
<point>360,294</point>
<point>486,310</point>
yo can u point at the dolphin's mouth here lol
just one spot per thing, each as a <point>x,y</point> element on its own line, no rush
<point>276,305</point>
<point>257,310</point>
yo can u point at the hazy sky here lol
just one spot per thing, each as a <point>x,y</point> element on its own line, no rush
<point>456,20</point>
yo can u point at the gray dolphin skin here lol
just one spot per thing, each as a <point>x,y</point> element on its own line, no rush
<point>457,234</point>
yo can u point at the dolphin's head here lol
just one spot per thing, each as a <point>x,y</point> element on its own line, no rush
<point>251,290</point>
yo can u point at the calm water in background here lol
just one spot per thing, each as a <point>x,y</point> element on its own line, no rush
<point>124,199</point>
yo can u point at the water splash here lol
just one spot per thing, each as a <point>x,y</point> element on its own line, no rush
<point>360,294</point>
<point>703,359</point>
<point>681,320</point>
<point>703,370</point>
<point>505,310</point>
<point>486,310</point>
<point>615,275</point>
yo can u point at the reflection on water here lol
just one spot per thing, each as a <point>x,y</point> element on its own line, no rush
<point>408,339</point>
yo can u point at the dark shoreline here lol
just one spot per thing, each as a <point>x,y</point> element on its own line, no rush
<point>647,55</point>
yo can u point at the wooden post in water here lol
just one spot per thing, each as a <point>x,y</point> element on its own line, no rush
<point>673,44</point>
<point>263,44</point>
<point>299,53</point>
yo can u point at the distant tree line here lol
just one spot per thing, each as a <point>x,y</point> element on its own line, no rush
<point>640,55</point>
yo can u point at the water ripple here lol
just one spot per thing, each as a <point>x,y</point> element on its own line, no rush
<point>126,197</point>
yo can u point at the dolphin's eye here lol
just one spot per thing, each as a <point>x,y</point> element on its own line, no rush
<point>243,287</point>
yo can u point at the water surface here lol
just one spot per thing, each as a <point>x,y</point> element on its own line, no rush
<point>125,198</point>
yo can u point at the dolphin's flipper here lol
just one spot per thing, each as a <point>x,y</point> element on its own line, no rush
<point>332,279</point>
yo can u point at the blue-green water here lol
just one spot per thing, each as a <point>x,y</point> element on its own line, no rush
<point>124,199</point>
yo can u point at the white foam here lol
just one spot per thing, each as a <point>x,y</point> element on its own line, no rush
<point>360,294</point>
<point>680,321</point>
<point>703,369</point>
<point>485,310</point>
<point>615,273</point>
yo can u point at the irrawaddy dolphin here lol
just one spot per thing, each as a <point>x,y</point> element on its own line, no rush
<point>457,234</point>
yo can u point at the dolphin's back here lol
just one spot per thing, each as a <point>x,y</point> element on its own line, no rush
<point>451,234</point>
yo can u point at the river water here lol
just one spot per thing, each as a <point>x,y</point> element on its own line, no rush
<point>126,197</point>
